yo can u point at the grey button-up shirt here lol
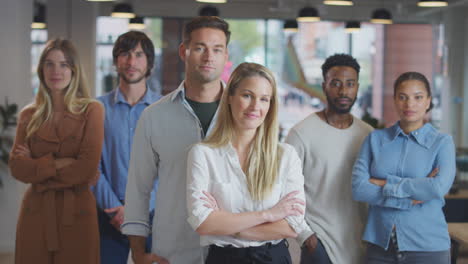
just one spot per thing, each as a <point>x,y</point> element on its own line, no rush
<point>165,132</point>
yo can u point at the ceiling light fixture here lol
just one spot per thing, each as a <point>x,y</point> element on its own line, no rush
<point>290,25</point>
<point>308,14</point>
<point>352,26</point>
<point>212,1</point>
<point>137,23</point>
<point>39,19</point>
<point>123,10</point>
<point>381,16</point>
<point>338,2</point>
<point>432,3</point>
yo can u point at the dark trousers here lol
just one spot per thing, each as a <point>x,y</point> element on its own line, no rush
<point>378,255</point>
<point>319,256</point>
<point>113,244</point>
<point>266,254</point>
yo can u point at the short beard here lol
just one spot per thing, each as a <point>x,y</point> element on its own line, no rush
<point>332,105</point>
<point>127,81</point>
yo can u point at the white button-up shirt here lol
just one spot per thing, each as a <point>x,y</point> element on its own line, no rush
<point>218,171</point>
<point>165,132</point>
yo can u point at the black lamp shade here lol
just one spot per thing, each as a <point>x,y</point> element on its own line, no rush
<point>290,25</point>
<point>123,10</point>
<point>352,26</point>
<point>381,16</point>
<point>39,21</point>
<point>137,23</point>
<point>308,14</point>
<point>208,10</point>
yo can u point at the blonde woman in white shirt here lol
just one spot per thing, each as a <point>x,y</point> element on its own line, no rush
<point>245,190</point>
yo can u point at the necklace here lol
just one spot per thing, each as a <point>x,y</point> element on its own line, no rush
<point>326,119</point>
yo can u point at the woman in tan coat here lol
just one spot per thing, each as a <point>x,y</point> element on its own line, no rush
<point>57,149</point>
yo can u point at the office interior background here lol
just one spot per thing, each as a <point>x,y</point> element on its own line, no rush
<point>431,40</point>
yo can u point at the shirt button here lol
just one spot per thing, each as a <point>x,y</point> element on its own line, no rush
<point>416,133</point>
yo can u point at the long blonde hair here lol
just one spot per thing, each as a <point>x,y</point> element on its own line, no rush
<point>264,156</point>
<point>77,96</point>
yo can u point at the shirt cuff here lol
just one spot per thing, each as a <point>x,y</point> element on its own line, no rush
<point>391,188</point>
<point>195,220</point>
<point>136,228</point>
<point>304,235</point>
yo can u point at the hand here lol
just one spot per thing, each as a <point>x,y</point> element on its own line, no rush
<point>415,202</point>
<point>22,150</point>
<point>210,201</point>
<point>433,173</point>
<point>288,205</point>
<point>148,258</point>
<point>311,243</point>
<point>118,218</point>
<point>63,162</point>
<point>378,182</point>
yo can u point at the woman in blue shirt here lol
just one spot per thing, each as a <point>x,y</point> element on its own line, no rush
<point>403,173</point>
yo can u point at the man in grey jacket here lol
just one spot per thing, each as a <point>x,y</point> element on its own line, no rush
<point>164,134</point>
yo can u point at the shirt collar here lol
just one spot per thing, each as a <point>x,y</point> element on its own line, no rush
<point>180,91</point>
<point>424,136</point>
<point>149,97</point>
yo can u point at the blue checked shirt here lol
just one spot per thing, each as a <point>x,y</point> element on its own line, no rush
<point>405,161</point>
<point>119,127</point>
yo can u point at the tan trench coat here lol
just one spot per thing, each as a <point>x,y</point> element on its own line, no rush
<point>58,222</point>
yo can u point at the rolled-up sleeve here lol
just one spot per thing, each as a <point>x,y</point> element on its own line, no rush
<point>294,182</point>
<point>197,182</point>
<point>143,170</point>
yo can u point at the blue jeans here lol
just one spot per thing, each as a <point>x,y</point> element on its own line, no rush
<point>378,255</point>
<point>319,256</point>
<point>113,244</point>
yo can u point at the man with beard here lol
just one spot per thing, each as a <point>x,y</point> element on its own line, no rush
<point>133,56</point>
<point>164,135</point>
<point>328,143</point>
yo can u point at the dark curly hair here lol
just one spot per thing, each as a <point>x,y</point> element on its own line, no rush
<point>340,60</point>
<point>410,76</point>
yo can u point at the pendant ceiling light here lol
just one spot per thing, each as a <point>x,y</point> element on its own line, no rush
<point>212,1</point>
<point>430,3</point>
<point>123,10</point>
<point>290,25</point>
<point>381,16</point>
<point>39,21</point>
<point>308,14</point>
<point>137,23</point>
<point>338,2</point>
<point>208,10</point>
<point>352,26</point>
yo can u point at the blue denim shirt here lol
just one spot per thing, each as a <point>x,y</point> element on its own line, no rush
<point>119,127</point>
<point>405,161</point>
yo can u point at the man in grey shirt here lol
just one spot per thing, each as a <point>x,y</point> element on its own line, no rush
<point>164,134</point>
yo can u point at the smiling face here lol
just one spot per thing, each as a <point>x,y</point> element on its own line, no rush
<point>205,55</point>
<point>250,103</point>
<point>341,87</point>
<point>412,102</point>
<point>132,65</point>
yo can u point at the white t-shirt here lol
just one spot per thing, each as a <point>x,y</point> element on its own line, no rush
<point>218,171</point>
